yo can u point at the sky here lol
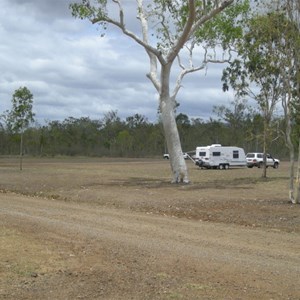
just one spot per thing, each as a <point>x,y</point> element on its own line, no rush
<point>74,72</point>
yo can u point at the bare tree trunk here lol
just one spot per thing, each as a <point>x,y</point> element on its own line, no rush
<point>288,130</point>
<point>21,152</point>
<point>264,173</point>
<point>177,162</point>
<point>167,109</point>
<point>292,158</point>
<point>297,187</point>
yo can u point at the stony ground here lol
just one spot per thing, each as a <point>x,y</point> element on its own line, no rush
<point>117,229</point>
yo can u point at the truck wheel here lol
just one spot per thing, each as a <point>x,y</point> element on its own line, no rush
<point>275,166</point>
<point>260,165</point>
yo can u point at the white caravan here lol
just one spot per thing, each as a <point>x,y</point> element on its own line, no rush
<point>221,157</point>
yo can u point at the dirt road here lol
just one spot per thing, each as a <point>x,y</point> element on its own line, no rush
<point>67,250</point>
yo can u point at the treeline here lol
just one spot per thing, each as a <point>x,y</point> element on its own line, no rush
<point>137,137</point>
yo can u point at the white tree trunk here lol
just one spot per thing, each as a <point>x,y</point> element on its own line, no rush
<point>177,162</point>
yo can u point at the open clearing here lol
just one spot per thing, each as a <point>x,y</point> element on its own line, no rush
<point>88,228</point>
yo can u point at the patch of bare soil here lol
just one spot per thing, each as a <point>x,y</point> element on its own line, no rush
<point>115,229</point>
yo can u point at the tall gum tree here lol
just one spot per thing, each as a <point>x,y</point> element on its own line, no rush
<point>269,58</point>
<point>169,29</point>
<point>288,41</point>
<point>256,72</point>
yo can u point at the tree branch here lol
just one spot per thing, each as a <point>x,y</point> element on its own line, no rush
<point>210,15</point>
<point>121,25</point>
<point>185,33</point>
<point>152,75</point>
<point>192,68</point>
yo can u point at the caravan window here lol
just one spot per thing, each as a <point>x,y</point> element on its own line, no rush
<point>235,153</point>
<point>202,153</point>
<point>216,153</point>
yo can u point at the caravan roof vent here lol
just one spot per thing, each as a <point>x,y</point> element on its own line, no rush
<point>216,145</point>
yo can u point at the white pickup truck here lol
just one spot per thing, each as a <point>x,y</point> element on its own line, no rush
<point>256,159</point>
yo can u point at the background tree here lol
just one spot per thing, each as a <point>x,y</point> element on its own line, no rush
<point>179,25</point>
<point>112,126</point>
<point>256,73</point>
<point>85,137</point>
<point>270,58</point>
<point>140,132</point>
<point>284,30</point>
<point>287,39</point>
<point>21,114</point>
<point>235,116</point>
<point>184,129</point>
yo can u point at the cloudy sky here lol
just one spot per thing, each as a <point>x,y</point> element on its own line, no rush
<point>74,72</point>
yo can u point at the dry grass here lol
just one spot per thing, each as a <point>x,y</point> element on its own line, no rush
<point>237,195</point>
<point>91,244</point>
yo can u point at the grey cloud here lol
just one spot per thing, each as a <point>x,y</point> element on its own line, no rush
<point>71,71</point>
<point>44,9</point>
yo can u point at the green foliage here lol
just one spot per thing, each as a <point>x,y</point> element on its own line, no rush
<point>267,67</point>
<point>96,13</point>
<point>85,10</point>
<point>266,49</point>
<point>225,28</point>
<point>168,19</point>
<point>259,61</point>
<point>137,137</point>
<point>222,29</point>
<point>21,114</point>
<point>262,59</point>
<point>183,120</point>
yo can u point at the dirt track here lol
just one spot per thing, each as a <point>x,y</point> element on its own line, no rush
<point>114,254</point>
<point>102,229</point>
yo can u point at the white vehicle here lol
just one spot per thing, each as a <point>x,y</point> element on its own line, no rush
<point>167,156</point>
<point>217,156</point>
<point>256,159</point>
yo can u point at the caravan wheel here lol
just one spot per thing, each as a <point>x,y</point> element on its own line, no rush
<point>223,166</point>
